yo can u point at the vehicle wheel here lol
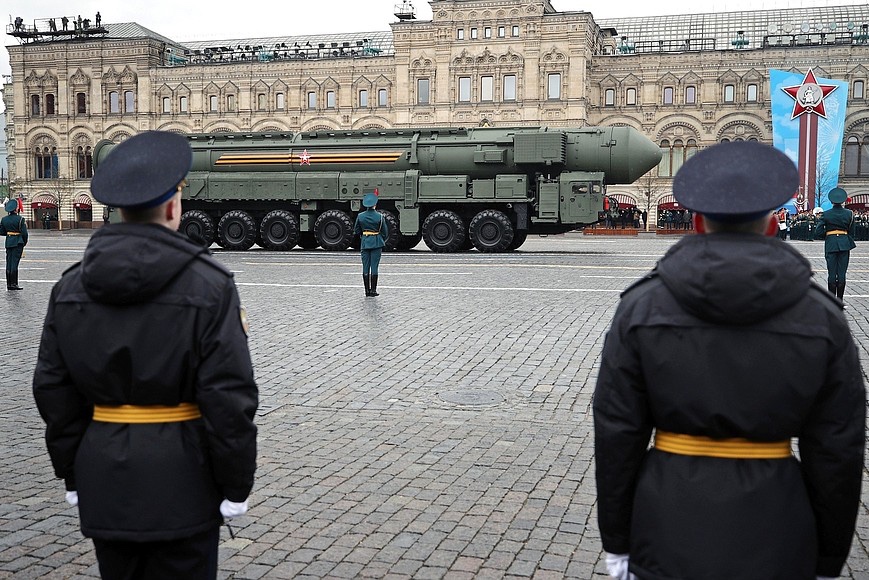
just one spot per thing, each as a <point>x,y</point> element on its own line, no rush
<point>279,230</point>
<point>236,230</point>
<point>444,231</point>
<point>491,231</point>
<point>334,230</point>
<point>394,234</point>
<point>408,242</point>
<point>307,241</point>
<point>197,226</point>
<point>518,239</point>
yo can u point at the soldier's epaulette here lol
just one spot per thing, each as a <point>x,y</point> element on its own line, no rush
<point>650,276</point>
<point>827,295</point>
<point>71,268</point>
<point>205,256</point>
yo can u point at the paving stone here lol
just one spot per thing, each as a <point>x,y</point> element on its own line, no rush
<point>368,466</point>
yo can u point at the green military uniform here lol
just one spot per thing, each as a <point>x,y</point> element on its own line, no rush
<point>836,226</point>
<point>14,227</point>
<point>374,231</point>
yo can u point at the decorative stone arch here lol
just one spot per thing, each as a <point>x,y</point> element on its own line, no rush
<point>554,57</point>
<point>622,121</point>
<point>319,124</point>
<point>223,126</point>
<point>486,59</point>
<point>858,123</point>
<point>119,135</point>
<point>266,103</point>
<point>270,126</point>
<point>681,127</point>
<point>739,130</point>
<point>511,59</point>
<point>371,122</point>
<point>174,127</point>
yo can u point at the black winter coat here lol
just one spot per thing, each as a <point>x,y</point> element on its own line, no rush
<point>147,318</point>
<point>729,338</point>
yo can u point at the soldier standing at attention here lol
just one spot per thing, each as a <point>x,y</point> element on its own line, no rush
<point>726,352</point>
<point>836,227</point>
<point>14,227</point>
<point>144,378</point>
<point>374,231</point>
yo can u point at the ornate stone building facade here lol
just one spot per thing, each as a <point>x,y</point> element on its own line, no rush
<point>686,82</point>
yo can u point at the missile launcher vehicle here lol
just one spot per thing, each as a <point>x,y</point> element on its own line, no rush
<point>453,188</point>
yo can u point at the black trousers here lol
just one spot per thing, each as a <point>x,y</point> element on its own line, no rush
<point>193,558</point>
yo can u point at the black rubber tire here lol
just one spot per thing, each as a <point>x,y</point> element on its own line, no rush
<point>236,230</point>
<point>197,226</point>
<point>444,231</point>
<point>394,233</point>
<point>334,230</point>
<point>518,239</point>
<point>408,242</point>
<point>279,230</point>
<point>308,241</point>
<point>491,231</point>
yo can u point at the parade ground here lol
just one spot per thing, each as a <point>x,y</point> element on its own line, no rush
<point>440,430</point>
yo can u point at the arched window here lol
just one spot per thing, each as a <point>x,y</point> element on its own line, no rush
<point>668,95</point>
<point>674,155</point>
<point>690,95</point>
<point>81,106</point>
<point>129,102</point>
<point>85,162</point>
<point>46,162</point>
<point>49,104</point>
<point>664,165</point>
<point>34,105</point>
<point>631,96</point>
<point>609,99</point>
<point>856,156</point>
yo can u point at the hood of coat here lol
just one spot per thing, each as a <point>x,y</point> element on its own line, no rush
<point>126,263</point>
<point>734,278</point>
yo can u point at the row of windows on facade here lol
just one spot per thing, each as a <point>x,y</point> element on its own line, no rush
<point>81,103</point>
<point>690,95</point>
<point>47,167</point>
<point>486,94</point>
<point>674,154</point>
<point>487,32</point>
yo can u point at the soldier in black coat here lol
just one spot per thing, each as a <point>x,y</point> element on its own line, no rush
<point>144,378</point>
<point>725,354</point>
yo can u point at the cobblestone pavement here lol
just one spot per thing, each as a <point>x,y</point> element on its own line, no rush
<point>442,429</point>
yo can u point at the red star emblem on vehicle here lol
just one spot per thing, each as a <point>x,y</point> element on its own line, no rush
<point>305,158</point>
<point>809,96</point>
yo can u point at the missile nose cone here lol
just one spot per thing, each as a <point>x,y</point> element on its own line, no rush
<point>632,156</point>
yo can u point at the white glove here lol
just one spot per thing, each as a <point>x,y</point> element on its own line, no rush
<point>617,566</point>
<point>233,509</point>
<point>72,498</point>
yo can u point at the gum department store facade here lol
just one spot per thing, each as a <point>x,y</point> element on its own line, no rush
<point>685,81</point>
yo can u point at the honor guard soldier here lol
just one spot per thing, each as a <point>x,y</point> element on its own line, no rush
<point>374,231</point>
<point>14,227</point>
<point>720,357</point>
<point>836,227</point>
<point>144,377</point>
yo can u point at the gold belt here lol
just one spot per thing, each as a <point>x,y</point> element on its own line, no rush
<point>837,233</point>
<point>146,413</point>
<point>370,233</point>
<point>13,233</point>
<point>736,448</point>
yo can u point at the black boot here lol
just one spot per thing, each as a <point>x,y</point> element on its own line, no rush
<point>14,278</point>
<point>374,285</point>
<point>831,286</point>
<point>840,290</point>
<point>8,280</point>
<point>367,284</point>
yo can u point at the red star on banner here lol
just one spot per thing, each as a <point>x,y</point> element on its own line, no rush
<point>809,96</point>
<point>305,158</point>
